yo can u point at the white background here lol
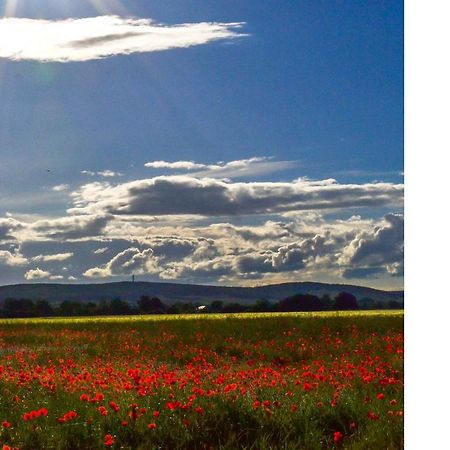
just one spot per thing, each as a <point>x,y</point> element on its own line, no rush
<point>427,178</point>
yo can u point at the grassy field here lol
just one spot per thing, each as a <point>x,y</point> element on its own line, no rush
<point>255,381</point>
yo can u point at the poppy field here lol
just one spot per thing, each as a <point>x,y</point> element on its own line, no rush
<point>242,381</point>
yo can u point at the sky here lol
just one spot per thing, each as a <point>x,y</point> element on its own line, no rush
<point>225,142</point>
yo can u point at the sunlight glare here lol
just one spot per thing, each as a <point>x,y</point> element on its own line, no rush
<point>10,8</point>
<point>109,7</point>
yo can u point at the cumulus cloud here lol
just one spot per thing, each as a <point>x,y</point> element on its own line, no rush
<point>132,260</point>
<point>292,256</point>
<point>7,228</point>
<point>91,38</point>
<point>258,165</point>
<point>301,244</point>
<point>12,258</point>
<point>205,270</point>
<point>379,251</point>
<point>228,253</point>
<point>162,255</point>
<point>38,274</point>
<point>183,194</point>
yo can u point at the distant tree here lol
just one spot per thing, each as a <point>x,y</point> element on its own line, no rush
<point>345,301</point>
<point>119,307</point>
<point>300,302</point>
<point>43,308</point>
<point>187,308</point>
<point>262,305</point>
<point>174,309</point>
<point>234,308</point>
<point>10,307</point>
<point>14,307</point>
<point>216,306</point>
<point>394,304</point>
<point>70,308</point>
<point>152,305</point>
<point>89,309</point>
<point>366,303</point>
<point>326,302</point>
<point>379,305</point>
<point>103,307</point>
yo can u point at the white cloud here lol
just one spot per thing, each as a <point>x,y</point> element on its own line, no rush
<point>129,261</point>
<point>258,165</point>
<point>101,250</point>
<point>37,274</point>
<point>102,173</point>
<point>100,37</point>
<point>109,173</point>
<point>60,187</point>
<point>177,165</point>
<point>55,257</point>
<point>12,259</point>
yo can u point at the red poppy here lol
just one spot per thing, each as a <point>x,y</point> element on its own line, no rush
<point>337,437</point>
<point>109,440</point>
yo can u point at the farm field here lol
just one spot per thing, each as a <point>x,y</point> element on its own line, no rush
<point>250,381</point>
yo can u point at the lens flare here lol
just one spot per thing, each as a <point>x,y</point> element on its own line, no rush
<point>109,7</point>
<point>10,8</point>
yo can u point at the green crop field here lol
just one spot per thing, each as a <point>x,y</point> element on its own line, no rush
<point>253,381</point>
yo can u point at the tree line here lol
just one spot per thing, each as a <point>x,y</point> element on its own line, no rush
<point>13,307</point>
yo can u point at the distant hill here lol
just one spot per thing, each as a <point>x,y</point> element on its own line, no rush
<point>171,293</point>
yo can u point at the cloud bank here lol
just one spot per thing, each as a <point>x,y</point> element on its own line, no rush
<point>198,227</point>
<point>308,246</point>
<point>184,194</point>
<point>99,37</point>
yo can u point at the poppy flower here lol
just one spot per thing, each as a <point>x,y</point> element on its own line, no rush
<point>337,437</point>
<point>109,440</point>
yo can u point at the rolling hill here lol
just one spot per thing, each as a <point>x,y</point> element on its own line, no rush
<point>171,293</point>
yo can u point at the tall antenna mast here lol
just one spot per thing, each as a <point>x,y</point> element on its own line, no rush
<point>132,278</point>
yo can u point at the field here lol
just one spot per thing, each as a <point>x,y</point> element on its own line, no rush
<point>253,381</point>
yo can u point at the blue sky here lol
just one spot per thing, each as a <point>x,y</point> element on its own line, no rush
<point>312,89</point>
